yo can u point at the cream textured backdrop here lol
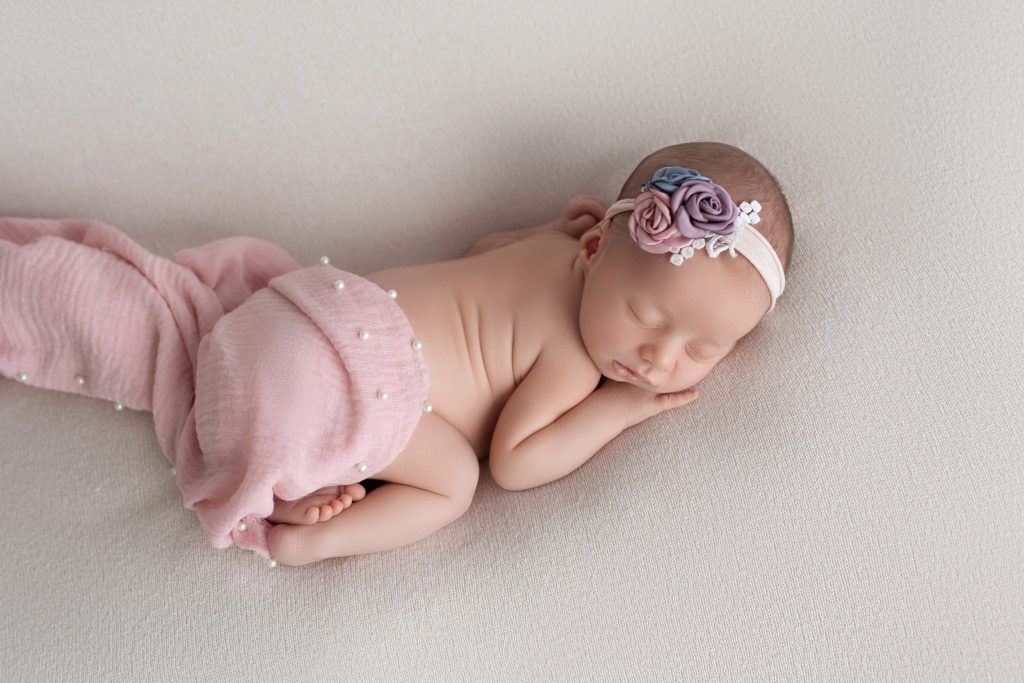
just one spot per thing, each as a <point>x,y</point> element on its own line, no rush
<point>845,502</point>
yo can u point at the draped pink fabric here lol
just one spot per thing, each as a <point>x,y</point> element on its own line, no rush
<point>253,366</point>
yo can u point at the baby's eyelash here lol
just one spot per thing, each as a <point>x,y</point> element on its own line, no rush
<point>700,358</point>
<point>641,321</point>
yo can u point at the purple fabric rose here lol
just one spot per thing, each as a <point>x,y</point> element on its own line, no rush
<point>701,206</point>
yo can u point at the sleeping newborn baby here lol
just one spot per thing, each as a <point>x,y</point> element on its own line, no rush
<point>533,351</point>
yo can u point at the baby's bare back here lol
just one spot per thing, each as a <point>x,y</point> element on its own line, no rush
<point>483,321</point>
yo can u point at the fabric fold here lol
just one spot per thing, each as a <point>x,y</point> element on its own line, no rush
<point>254,368</point>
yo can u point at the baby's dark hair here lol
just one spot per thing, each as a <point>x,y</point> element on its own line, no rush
<point>742,176</point>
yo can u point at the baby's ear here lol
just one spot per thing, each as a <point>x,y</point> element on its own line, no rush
<point>593,238</point>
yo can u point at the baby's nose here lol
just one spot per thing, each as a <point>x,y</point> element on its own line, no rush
<point>663,357</point>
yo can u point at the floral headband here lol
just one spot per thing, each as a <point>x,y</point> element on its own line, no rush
<point>680,211</point>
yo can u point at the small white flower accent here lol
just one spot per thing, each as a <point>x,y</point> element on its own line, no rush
<point>699,244</point>
<point>748,212</point>
<point>688,252</point>
<point>677,259</point>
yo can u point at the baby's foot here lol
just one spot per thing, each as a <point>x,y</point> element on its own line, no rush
<point>318,506</point>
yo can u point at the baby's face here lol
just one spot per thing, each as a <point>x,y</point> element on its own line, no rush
<point>671,325</point>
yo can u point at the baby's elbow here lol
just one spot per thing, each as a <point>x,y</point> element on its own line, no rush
<point>497,466</point>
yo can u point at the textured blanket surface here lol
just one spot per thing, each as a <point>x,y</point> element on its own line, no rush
<point>264,378</point>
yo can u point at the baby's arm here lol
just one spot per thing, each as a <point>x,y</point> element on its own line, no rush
<point>554,421</point>
<point>578,215</point>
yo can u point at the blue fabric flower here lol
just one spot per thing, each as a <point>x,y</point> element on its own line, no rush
<point>669,178</point>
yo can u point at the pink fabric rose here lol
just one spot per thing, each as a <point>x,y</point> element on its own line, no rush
<point>700,207</point>
<point>651,225</point>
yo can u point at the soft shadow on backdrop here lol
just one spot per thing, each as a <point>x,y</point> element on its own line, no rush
<point>846,499</point>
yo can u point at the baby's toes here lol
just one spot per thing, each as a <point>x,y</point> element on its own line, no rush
<point>312,515</point>
<point>355,491</point>
<point>326,512</point>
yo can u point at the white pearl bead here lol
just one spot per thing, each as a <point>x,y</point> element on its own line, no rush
<point>118,407</point>
<point>427,407</point>
<point>80,379</point>
<point>242,526</point>
<point>417,344</point>
<point>393,294</point>
<point>361,467</point>
<point>364,335</point>
<point>324,260</point>
<point>338,284</point>
<point>382,395</point>
<point>272,563</point>
<point>174,471</point>
<point>22,377</point>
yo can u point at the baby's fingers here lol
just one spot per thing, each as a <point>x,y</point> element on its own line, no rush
<point>676,399</point>
<point>582,213</point>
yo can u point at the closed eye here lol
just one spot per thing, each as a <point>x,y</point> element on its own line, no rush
<point>696,356</point>
<point>637,317</point>
<point>689,350</point>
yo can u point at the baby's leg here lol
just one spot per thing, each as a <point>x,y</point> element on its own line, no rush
<point>318,506</point>
<point>391,516</point>
<point>431,484</point>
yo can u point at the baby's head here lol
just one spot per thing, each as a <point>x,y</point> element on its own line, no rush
<point>672,324</point>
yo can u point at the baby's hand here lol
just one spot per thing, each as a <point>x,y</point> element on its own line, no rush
<point>637,404</point>
<point>580,214</point>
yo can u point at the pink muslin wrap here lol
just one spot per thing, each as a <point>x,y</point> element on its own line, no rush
<point>255,369</point>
